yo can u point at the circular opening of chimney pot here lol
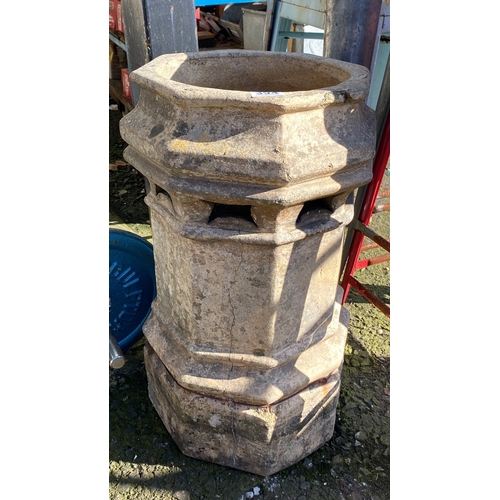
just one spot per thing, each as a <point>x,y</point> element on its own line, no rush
<point>280,81</point>
<point>259,74</point>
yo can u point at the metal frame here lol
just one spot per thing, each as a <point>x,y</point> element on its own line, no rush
<point>361,229</point>
<point>286,12</point>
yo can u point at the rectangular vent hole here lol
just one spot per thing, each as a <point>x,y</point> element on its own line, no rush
<point>160,190</point>
<point>237,211</point>
<point>314,210</point>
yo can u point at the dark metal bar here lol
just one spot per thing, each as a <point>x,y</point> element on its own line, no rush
<point>370,296</point>
<point>116,357</point>
<point>275,25</point>
<point>301,34</point>
<point>383,102</point>
<point>357,241</point>
<point>351,30</point>
<point>370,233</point>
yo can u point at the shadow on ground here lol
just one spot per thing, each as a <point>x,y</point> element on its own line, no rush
<point>145,462</point>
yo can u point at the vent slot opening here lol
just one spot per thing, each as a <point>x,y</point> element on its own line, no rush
<point>315,211</point>
<point>236,211</point>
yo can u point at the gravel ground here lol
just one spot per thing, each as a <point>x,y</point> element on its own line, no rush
<point>145,463</point>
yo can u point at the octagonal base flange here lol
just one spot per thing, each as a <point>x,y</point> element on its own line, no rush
<point>258,439</point>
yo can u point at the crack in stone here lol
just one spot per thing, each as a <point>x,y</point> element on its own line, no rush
<point>234,434</point>
<point>232,311</point>
<point>231,351</point>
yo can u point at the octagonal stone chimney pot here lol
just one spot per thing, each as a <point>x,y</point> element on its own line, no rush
<point>252,159</point>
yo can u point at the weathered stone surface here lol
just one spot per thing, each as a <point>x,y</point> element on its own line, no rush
<point>250,196</point>
<point>260,440</point>
<point>246,378</point>
<point>197,117</point>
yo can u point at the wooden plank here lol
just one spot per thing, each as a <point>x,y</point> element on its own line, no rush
<point>219,9</point>
<point>204,35</point>
<point>116,92</point>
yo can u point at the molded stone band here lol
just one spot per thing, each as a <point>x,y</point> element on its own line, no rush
<point>219,188</point>
<point>204,232</point>
<point>249,383</point>
<point>325,329</point>
<point>340,82</point>
<point>257,439</point>
<point>236,145</point>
